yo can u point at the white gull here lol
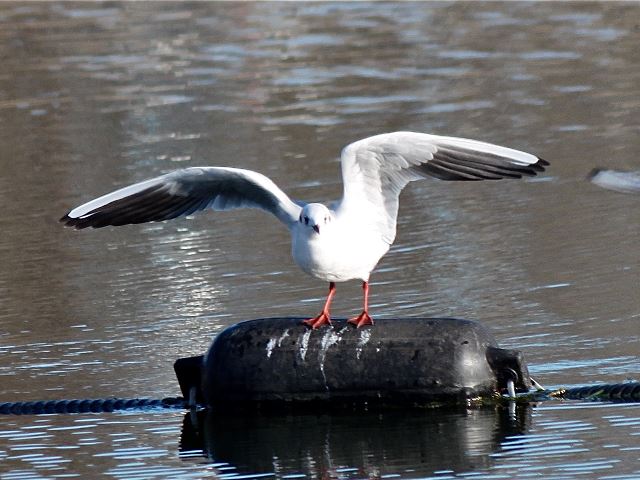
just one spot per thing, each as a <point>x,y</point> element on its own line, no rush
<point>338,243</point>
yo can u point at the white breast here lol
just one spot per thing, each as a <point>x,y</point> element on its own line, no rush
<point>339,253</point>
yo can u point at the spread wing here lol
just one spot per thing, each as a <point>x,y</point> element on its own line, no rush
<point>376,169</point>
<point>184,192</point>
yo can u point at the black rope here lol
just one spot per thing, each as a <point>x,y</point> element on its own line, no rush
<point>617,392</point>
<point>608,392</point>
<point>88,405</point>
<point>621,392</point>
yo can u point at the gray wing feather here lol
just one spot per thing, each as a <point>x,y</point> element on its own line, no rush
<point>182,193</point>
<point>376,169</point>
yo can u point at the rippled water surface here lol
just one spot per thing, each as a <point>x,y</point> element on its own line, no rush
<point>94,96</point>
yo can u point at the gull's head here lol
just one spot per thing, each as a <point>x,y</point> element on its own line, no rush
<point>315,216</point>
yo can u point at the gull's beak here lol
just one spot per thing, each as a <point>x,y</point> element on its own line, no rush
<point>316,229</point>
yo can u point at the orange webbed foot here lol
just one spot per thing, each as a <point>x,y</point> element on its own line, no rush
<point>317,322</point>
<point>361,320</point>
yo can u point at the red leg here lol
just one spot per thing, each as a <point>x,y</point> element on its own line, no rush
<point>324,318</point>
<point>363,318</point>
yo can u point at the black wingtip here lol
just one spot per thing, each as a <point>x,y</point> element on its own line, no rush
<point>540,166</point>
<point>68,221</point>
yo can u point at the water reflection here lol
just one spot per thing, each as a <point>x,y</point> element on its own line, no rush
<point>374,445</point>
<point>99,95</point>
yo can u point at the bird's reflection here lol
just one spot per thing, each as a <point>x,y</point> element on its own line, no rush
<point>406,443</point>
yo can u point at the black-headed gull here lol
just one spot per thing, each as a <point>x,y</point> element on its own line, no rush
<point>338,243</point>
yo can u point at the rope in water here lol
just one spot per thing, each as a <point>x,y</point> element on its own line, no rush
<point>610,392</point>
<point>89,405</point>
<point>621,392</point>
<point>616,392</point>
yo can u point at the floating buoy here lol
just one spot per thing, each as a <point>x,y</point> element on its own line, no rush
<point>620,181</point>
<point>279,362</point>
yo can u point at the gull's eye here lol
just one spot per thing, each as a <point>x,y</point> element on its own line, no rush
<point>306,220</point>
